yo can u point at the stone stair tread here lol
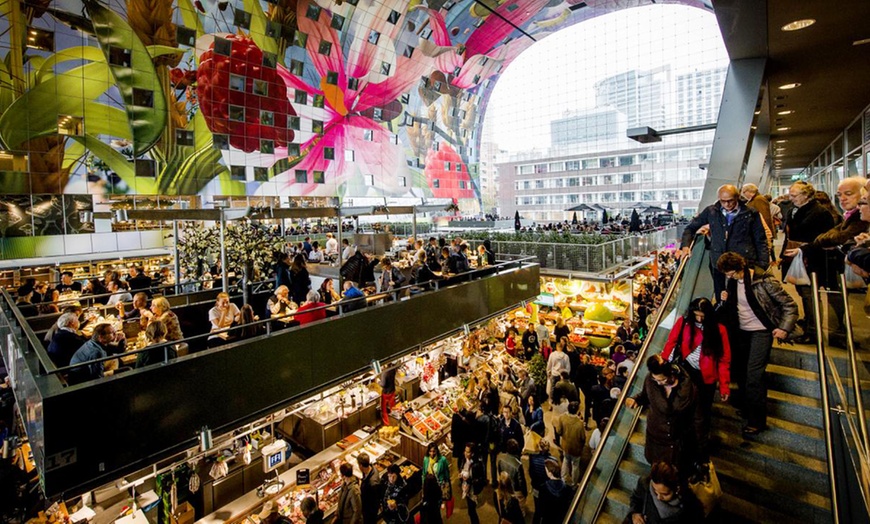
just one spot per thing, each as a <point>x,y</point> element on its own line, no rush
<point>747,511</point>
<point>619,496</point>
<point>770,484</point>
<point>778,423</point>
<point>791,398</point>
<point>741,445</point>
<point>633,467</point>
<point>811,350</point>
<point>607,518</point>
<point>801,374</point>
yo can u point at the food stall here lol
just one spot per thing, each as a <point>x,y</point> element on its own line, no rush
<point>592,310</point>
<point>321,422</point>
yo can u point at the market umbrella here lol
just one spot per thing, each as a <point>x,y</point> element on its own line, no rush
<point>670,207</point>
<point>604,217</point>
<point>574,219</point>
<point>634,225</point>
<point>517,224</point>
<point>581,207</point>
<point>651,210</point>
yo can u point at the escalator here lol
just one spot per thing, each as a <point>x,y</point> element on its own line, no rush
<point>784,474</point>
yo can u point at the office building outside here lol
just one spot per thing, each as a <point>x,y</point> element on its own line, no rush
<point>592,162</point>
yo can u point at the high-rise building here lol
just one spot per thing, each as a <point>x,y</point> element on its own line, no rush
<point>619,179</point>
<point>698,95</point>
<point>641,95</point>
<point>585,125</point>
<point>490,157</point>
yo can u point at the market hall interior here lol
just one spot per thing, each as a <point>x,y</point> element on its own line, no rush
<point>233,150</point>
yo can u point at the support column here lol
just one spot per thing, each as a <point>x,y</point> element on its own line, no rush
<point>731,144</point>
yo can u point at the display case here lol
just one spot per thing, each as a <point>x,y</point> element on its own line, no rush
<point>321,422</point>
<point>324,482</point>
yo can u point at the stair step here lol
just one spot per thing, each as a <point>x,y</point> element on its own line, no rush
<point>795,381</point>
<point>795,437</point>
<point>607,518</point>
<point>636,444</point>
<point>788,467</point>
<point>806,357</point>
<point>795,408</point>
<point>617,502</point>
<point>628,474</point>
<point>769,491</point>
<point>735,510</point>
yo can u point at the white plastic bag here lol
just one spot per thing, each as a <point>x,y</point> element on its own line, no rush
<point>797,272</point>
<point>853,280</point>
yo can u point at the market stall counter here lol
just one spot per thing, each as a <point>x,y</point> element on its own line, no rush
<point>324,422</point>
<point>324,481</point>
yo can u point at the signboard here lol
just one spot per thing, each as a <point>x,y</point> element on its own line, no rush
<point>274,455</point>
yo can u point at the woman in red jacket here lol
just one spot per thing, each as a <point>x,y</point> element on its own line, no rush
<point>700,343</point>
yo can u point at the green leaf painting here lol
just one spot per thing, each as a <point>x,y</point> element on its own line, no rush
<point>146,121</point>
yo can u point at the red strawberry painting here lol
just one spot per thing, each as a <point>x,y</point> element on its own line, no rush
<point>447,174</point>
<point>241,96</point>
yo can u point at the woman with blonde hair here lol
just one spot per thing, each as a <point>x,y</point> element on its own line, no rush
<point>507,504</point>
<point>155,334</point>
<point>162,312</point>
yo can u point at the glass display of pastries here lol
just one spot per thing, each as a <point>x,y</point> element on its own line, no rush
<point>340,404</point>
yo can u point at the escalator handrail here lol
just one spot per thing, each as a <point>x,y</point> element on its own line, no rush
<point>826,407</point>
<point>584,482</point>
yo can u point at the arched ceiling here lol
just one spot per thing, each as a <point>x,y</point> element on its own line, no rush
<point>266,97</point>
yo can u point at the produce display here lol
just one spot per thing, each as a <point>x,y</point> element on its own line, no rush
<point>592,310</point>
<point>326,481</point>
<point>428,417</point>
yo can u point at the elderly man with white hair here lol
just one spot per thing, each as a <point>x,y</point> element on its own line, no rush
<point>66,340</point>
<point>821,255</point>
<point>756,201</point>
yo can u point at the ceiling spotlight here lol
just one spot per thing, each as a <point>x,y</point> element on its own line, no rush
<point>790,86</point>
<point>783,129</point>
<point>797,25</point>
<point>861,42</point>
<point>786,112</point>
<point>758,112</point>
<point>782,141</point>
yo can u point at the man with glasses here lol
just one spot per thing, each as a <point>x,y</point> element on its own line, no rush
<point>729,226</point>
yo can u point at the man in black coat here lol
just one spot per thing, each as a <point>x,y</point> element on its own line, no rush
<point>369,488</point>
<point>730,226</point>
<point>66,340</point>
<point>139,280</point>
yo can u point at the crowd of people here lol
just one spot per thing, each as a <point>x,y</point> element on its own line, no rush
<point>727,339</point>
<point>616,225</point>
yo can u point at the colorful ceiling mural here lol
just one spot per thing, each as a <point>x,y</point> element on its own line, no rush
<point>349,98</point>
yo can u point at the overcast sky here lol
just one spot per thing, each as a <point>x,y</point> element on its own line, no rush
<point>558,73</point>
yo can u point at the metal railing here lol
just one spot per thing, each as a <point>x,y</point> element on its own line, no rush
<point>825,397</point>
<point>586,258</point>
<point>843,378</point>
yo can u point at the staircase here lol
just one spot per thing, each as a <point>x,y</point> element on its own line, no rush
<point>778,476</point>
